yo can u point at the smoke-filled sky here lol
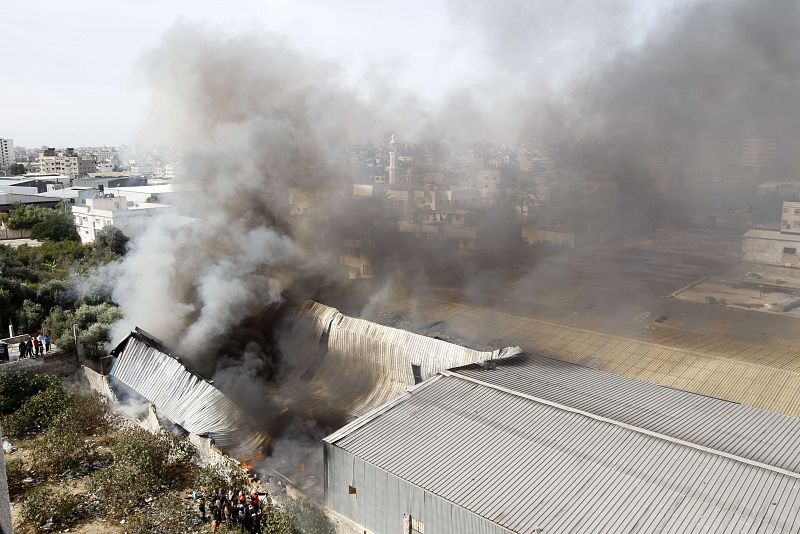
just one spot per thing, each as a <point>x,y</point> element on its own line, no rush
<point>73,74</point>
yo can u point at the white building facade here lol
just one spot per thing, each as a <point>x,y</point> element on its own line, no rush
<point>109,210</point>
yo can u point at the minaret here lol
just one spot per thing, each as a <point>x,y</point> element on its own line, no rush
<point>392,161</point>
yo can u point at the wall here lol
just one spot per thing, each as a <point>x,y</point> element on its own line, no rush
<point>535,235</point>
<point>5,503</point>
<point>382,500</point>
<point>5,233</point>
<point>760,250</point>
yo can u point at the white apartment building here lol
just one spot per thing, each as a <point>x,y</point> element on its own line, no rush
<point>108,210</point>
<point>6,153</point>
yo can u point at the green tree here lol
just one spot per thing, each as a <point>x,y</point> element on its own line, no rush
<point>111,238</point>
<point>55,226</point>
<point>30,316</point>
<point>15,169</point>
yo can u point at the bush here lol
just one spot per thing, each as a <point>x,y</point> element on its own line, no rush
<point>55,227</point>
<point>170,514</point>
<point>60,449</point>
<point>47,509</point>
<point>30,316</point>
<point>16,473</point>
<point>17,388</point>
<point>111,239</point>
<point>306,517</point>
<point>144,465</point>
<point>37,413</point>
<point>84,413</point>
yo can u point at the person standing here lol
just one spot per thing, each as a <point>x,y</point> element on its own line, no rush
<point>202,506</point>
<point>21,348</point>
<point>47,343</point>
<point>29,348</point>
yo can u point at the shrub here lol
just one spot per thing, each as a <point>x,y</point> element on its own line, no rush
<point>144,465</point>
<point>17,388</point>
<point>58,450</point>
<point>306,516</point>
<point>37,413</point>
<point>16,473</point>
<point>112,239</point>
<point>84,413</point>
<point>170,514</point>
<point>62,509</point>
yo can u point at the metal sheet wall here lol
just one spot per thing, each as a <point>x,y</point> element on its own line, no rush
<point>382,499</point>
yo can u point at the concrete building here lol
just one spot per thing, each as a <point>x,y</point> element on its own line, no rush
<point>776,247</point>
<point>758,152</point>
<point>65,162</point>
<point>109,210</point>
<point>7,156</point>
<point>772,247</point>
<point>790,218</point>
<point>540,446</point>
<point>356,260</point>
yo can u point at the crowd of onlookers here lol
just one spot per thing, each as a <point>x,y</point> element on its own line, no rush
<point>36,345</point>
<point>234,508</point>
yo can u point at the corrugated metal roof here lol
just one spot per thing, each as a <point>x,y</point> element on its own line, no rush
<point>527,464</point>
<point>744,431</point>
<point>371,360</point>
<point>764,377</point>
<point>185,398</point>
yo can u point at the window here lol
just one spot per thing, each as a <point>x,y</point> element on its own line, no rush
<point>417,526</point>
<point>351,490</point>
<point>789,250</point>
<point>417,371</point>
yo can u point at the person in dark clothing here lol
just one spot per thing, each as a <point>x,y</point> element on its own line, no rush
<point>21,348</point>
<point>29,348</point>
<point>202,506</point>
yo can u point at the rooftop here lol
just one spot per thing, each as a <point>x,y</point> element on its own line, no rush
<point>526,464</point>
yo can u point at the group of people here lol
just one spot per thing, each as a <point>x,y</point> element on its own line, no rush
<point>234,508</point>
<point>35,346</point>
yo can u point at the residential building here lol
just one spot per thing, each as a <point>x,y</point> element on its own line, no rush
<point>65,162</point>
<point>356,260</point>
<point>790,218</point>
<point>109,210</point>
<point>7,156</point>
<point>758,152</point>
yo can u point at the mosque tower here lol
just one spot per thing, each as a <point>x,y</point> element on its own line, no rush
<point>392,168</point>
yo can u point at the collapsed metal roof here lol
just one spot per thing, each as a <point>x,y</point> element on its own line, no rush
<point>353,363</point>
<point>529,464</point>
<point>375,363</point>
<point>146,366</point>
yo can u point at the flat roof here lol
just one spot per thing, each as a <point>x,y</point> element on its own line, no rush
<point>527,464</point>
<point>774,235</point>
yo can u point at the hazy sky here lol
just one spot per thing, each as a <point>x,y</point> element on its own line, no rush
<point>73,76</point>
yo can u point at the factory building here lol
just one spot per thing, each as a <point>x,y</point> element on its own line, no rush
<point>538,445</point>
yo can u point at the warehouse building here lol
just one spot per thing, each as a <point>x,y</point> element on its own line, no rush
<point>538,445</point>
